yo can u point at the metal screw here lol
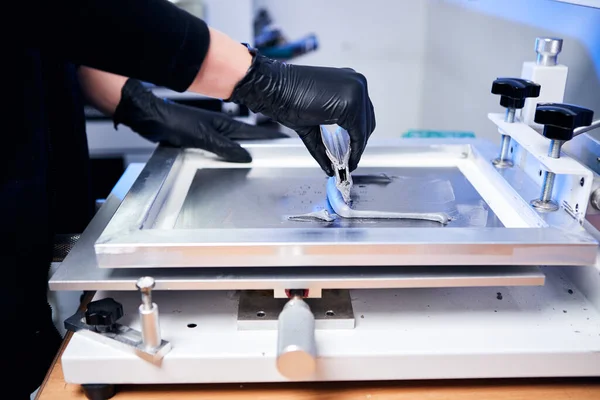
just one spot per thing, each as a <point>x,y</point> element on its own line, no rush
<point>545,203</point>
<point>145,284</point>
<point>595,199</point>
<point>502,161</point>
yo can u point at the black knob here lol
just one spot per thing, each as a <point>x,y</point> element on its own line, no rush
<point>103,314</point>
<point>560,120</point>
<point>514,91</point>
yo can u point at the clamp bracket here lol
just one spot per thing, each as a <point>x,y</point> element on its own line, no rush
<point>120,336</point>
<point>529,151</point>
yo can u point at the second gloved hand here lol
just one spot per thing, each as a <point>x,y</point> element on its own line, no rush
<point>163,121</point>
<point>303,97</point>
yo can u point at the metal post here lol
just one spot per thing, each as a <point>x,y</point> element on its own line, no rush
<point>545,203</point>
<point>502,161</point>
<point>148,312</point>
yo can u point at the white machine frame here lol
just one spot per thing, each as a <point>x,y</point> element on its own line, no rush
<point>428,322</point>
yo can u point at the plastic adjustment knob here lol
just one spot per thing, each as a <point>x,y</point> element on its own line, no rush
<point>103,314</point>
<point>296,347</point>
<point>560,120</point>
<point>514,91</point>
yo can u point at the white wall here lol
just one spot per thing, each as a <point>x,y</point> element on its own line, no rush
<point>233,17</point>
<point>382,39</point>
<point>470,43</point>
<point>430,63</point>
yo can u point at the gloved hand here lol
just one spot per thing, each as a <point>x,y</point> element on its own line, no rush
<point>163,121</point>
<point>302,98</point>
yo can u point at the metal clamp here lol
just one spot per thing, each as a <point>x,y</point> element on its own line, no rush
<point>116,335</point>
<point>99,322</point>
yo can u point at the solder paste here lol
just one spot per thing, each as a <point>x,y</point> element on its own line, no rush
<point>321,215</point>
<point>345,211</point>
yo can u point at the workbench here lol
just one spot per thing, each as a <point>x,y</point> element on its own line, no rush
<point>55,388</point>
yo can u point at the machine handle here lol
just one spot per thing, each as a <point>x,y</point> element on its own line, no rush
<point>514,91</point>
<point>560,120</point>
<point>296,347</point>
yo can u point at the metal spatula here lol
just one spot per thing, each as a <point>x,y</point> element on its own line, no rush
<point>337,147</point>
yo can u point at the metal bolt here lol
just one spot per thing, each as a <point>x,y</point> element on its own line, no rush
<point>547,50</point>
<point>502,161</point>
<point>595,198</point>
<point>545,203</point>
<point>145,284</point>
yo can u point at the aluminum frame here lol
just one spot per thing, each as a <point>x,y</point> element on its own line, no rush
<point>139,234</point>
<point>79,270</point>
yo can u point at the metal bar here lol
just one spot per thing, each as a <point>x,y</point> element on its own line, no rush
<point>584,129</point>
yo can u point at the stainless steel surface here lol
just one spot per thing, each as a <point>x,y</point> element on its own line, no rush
<point>337,148</point>
<point>341,208</point>
<point>296,347</point>
<point>547,50</point>
<point>584,129</point>
<point>121,336</point>
<point>214,199</point>
<point>141,233</point>
<point>80,271</point>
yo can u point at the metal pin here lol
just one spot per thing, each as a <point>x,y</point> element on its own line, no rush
<point>148,312</point>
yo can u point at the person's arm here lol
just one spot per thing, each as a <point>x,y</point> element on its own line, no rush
<point>155,41</point>
<point>150,40</point>
<point>101,89</point>
<point>129,103</point>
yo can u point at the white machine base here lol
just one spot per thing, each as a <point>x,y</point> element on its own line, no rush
<point>437,333</point>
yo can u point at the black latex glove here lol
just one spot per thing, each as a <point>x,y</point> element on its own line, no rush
<point>303,98</point>
<point>163,121</point>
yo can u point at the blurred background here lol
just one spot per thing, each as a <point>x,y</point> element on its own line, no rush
<point>429,63</point>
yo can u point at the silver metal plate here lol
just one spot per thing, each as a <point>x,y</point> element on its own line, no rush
<point>230,198</point>
<point>143,233</point>
<point>259,310</point>
<point>79,270</point>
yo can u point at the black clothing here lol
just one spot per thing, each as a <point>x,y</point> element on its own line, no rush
<point>45,178</point>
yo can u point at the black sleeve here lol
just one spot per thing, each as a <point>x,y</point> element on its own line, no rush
<point>150,40</point>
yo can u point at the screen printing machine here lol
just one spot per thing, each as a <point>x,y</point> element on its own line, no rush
<point>439,258</point>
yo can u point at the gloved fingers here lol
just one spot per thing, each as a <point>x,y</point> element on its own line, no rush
<point>372,122</point>
<point>358,142</point>
<point>237,130</point>
<point>223,147</point>
<point>311,137</point>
